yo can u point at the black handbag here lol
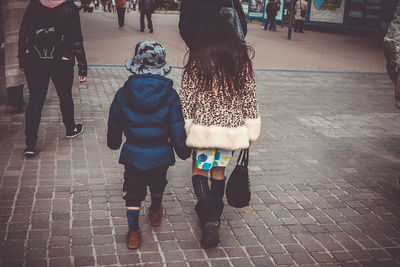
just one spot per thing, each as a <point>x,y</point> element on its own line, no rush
<point>238,187</point>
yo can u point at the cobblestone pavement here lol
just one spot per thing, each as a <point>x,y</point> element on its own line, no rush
<point>324,180</point>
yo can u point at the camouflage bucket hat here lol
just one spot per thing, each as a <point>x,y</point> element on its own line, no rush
<point>149,58</point>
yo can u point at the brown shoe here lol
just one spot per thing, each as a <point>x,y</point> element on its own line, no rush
<point>133,239</point>
<point>155,218</point>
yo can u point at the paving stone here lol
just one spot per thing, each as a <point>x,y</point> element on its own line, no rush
<point>282,259</point>
<point>302,258</point>
<point>84,261</point>
<point>107,260</point>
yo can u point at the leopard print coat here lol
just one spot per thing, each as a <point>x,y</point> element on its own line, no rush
<point>215,121</point>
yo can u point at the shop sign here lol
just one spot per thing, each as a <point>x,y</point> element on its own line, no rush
<point>330,11</point>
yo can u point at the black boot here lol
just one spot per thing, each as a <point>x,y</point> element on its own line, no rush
<point>217,192</point>
<point>209,222</point>
<point>206,211</point>
<point>200,186</point>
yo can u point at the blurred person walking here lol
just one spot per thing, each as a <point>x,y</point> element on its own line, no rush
<point>146,8</point>
<point>272,10</point>
<point>301,9</point>
<point>121,8</point>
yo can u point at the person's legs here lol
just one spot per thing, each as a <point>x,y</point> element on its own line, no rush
<point>221,160</point>
<point>273,24</point>
<point>217,188</point>
<point>38,84</point>
<point>210,204</point>
<point>123,16</point>
<point>149,22</point>
<point>202,163</point>
<point>142,14</point>
<point>63,79</point>
<point>296,25</point>
<point>135,189</point>
<point>157,180</point>
<point>120,19</point>
<point>266,23</point>
<point>301,25</point>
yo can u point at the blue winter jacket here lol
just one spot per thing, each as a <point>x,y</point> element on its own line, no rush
<point>148,111</point>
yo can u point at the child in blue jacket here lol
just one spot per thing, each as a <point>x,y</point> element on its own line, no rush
<point>147,110</point>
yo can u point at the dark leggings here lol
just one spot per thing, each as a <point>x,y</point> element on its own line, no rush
<point>121,16</point>
<point>137,180</point>
<point>149,21</point>
<point>38,77</point>
<point>298,25</point>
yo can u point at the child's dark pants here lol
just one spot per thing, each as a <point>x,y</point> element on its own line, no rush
<point>137,180</point>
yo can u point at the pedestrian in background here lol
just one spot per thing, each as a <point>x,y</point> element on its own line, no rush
<point>121,8</point>
<point>109,5</point>
<point>50,38</point>
<point>146,8</point>
<point>392,52</point>
<point>193,13</point>
<point>128,6</point>
<point>104,4</point>
<point>148,111</point>
<point>301,8</point>
<point>272,10</point>
<point>220,108</point>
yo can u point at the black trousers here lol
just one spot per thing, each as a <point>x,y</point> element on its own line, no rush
<point>38,78</point>
<point>121,16</point>
<point>298,25</point>
<point>137,180</point>
<point>149,22</point>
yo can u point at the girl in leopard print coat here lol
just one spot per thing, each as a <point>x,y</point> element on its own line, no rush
<point>219,105</point>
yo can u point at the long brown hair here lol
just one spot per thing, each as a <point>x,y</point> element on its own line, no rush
<point>218,59</point>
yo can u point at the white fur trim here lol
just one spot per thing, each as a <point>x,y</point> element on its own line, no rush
<point>254,128</point>
<point>188,124</point>
<point>217,137</point>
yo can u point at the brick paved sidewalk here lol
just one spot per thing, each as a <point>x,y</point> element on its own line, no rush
<point>324,176</point>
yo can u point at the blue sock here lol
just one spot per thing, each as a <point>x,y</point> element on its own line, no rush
<point>133,219</point>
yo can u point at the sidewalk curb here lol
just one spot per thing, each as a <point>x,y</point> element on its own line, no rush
<point>263,70</point>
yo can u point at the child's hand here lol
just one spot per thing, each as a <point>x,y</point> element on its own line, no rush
<point>250,144</point>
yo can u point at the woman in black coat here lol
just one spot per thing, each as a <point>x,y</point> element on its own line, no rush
<point>194,12</point>
<point>50,39</point>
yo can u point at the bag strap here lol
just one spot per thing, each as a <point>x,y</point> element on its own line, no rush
<point>243,158</point>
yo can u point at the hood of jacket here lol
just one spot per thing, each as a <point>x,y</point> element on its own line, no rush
<point>146,93</point>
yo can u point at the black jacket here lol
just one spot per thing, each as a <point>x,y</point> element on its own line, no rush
<point>149,6</point>
<point>194,12</point>
<point>68,28</point>
<point>272,9</point>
